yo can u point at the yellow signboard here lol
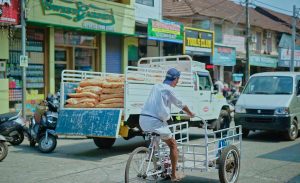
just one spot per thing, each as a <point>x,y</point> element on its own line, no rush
<point>198,42</point>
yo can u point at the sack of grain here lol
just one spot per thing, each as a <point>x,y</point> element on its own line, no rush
<point>84,94</point>
<point>82,100</point>
<point>115,79</point>
<point>92,82</point>
<point>81,105</point>
<point>113,84</point>
<point>112,100</point>
<point>112,105</point>
<point>93,89</point>
<point>109,96</point>
<point>112,90</point>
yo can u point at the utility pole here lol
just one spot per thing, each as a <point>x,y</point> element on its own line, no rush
<point>247,71</point>
<point>23,24</point>
<point>292,67</point>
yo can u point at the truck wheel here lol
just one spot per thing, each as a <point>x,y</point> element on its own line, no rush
<point>104,143</point>
<point>229,168</point>
<point>222,122</point>
<point>292,133</point>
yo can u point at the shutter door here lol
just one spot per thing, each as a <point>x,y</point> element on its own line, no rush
<point>113,53</point>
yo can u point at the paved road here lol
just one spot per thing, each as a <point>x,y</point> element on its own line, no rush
<point>266,158</point>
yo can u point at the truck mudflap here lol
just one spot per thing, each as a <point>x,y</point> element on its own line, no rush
<point>89,122</point>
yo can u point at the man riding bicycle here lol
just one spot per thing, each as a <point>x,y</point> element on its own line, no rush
<point>157,110</point>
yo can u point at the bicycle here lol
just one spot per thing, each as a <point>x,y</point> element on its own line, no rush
<point>222,154</point>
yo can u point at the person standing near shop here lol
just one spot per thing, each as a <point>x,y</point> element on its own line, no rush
<point>157,110</point>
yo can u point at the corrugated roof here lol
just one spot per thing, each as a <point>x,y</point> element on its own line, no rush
<point>220,9</point>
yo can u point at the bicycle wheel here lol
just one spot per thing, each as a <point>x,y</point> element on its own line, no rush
<point>137,165</point>
<point>229,168</point>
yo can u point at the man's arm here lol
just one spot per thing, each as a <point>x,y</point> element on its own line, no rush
<point>188,111</point>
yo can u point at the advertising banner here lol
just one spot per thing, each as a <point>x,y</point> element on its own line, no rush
<point>236,41</point>
<point>224,55</point>
<point>10,11</point>
<point>263,61</point>
<point>88,14</point>
<point>165,31</point>
<point>198,42</point>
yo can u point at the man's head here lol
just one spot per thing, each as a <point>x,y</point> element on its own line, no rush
<point>172,77</point>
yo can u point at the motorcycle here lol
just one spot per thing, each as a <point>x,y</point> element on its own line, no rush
<point>3,148</point>
<point>43,123</point>
<point>12,127</point>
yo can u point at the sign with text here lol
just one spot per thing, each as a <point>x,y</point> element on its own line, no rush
<point>263,61</point>
<point>23,61</point>
<point>198,42</point>
<point>165,31</point>
<point>224,55</point>
<point>236,41</point>
<point>10,11</point>
<point>285,57</point>
<point>87,14</point>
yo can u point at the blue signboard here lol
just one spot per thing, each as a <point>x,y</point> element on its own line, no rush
<point>89,122</point>
<point>263,61</point>
<point>224,55</point>
<point>285,55</point>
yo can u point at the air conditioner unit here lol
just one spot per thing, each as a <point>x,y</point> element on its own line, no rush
<point>253,38</point>
<point>269,34</point>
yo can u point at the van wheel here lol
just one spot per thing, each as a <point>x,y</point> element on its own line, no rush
<point>292,133</point>
<point>222,122</point>
<point>245,132</point>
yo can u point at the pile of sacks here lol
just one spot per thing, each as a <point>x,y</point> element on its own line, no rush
<point>100,92</point>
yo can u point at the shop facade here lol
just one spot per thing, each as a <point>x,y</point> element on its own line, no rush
<point>88,35</point>
<point>9,17</point>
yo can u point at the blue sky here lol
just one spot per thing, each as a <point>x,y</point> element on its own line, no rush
<point>282,6</point>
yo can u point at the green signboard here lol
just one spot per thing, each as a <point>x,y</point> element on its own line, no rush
<point>263,61</point>
<point>83,14</point>
<point>165,31</point>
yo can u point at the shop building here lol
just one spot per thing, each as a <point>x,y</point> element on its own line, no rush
<point>9,17</point>
<point>85,35</point>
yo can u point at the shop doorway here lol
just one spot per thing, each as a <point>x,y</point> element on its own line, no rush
<point>62,58</point>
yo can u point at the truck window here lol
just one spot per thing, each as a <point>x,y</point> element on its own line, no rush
<point>204,81</point>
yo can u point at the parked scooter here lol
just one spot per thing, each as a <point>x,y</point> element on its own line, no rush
<point>3,148</point>
<point>43,123</point>
<point>12,127</point>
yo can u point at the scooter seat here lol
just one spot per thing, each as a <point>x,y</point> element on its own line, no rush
<point>6,116</point>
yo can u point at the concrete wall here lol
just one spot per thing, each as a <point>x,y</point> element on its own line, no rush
<point>143,12</point>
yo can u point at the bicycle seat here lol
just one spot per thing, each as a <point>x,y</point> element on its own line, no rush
<point>151,133</point>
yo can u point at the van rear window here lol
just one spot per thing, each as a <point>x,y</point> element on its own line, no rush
<point>269,85</point>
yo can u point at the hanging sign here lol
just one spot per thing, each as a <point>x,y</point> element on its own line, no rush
<point>10,11</point>
<point>224,55</point>
<point>198,42</point>
<point>165,31</point>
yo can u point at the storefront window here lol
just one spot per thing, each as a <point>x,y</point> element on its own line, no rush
<point>74,38</point>
<point>35,72</point>
<point>84,59</point>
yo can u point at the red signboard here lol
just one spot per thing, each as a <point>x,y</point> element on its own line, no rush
<point>9,11</point>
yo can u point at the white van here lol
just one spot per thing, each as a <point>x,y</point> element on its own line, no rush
<point>270,101</point>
